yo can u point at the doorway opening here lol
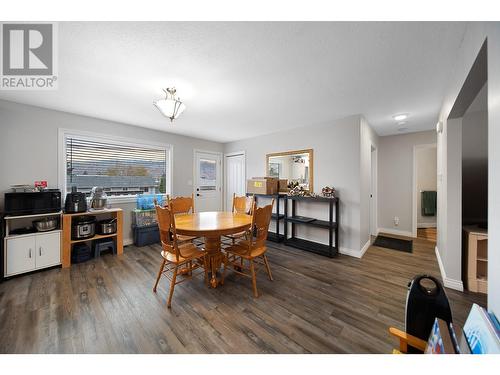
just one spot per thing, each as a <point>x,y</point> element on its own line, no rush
<point>373,192</point>
<point>425,192</point>
<point>464,247</point>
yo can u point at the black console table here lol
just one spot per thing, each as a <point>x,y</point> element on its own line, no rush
<point>329,250</point>
<point>277,216</point>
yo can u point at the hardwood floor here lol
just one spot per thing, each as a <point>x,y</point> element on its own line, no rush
<point>315,305</point>
<point>429,234</point>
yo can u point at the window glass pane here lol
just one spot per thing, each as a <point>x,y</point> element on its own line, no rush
<point>119,169</point>
<point>208,174</point>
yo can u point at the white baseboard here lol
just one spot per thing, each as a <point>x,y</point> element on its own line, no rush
<point>365,247</point>
<point>356,253</point>
<point>350,252</point>
<point>396,232</point>
<point>127,241</point>
<point>426,225</point>
<point>449,283</point>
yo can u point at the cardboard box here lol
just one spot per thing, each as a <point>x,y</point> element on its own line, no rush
<point>283,185</point>
<point>262,185</point>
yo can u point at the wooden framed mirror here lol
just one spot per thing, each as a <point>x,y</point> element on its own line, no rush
<point>296,166</point>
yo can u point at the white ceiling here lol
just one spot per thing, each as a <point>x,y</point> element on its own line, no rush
<point>244,79</point>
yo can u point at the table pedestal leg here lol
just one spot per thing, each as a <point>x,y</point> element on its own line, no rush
<point>215,258</point>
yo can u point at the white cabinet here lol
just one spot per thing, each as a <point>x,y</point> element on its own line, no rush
<point>28,253</point>
<point>48,250</point>
<point>20,255</point>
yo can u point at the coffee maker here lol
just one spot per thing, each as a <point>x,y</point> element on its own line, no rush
<point>75,202</point>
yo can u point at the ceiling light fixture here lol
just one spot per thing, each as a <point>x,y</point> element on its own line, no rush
<point>400,117</point>
<point>171,106</point>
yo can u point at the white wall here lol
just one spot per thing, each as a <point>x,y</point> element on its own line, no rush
<point>473,39</point>
<point>336,148</point>
<point>29,147</point>
<point>395,180</point>
<point>426,173</point>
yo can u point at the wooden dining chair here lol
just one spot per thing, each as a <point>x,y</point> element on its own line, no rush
<point>182,205</point>
<point>252,249</point>
<point>178,259</point>
<point>242,205</point>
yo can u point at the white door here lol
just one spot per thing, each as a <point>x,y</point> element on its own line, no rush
<point>235,178</point>
<point>207,181</point>
<point>20,254</point>
<point>48,250</point>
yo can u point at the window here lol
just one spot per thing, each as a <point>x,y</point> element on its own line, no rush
<point>122,169</point>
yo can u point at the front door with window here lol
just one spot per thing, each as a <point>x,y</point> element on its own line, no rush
<point>207,181</point>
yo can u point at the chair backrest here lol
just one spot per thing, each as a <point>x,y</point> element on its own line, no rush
<point>168,234</point>
<point>182,205</point>
<point>261,218</point>
<point>243,205</point>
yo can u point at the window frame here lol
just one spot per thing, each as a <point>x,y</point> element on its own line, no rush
<point>98,137</point>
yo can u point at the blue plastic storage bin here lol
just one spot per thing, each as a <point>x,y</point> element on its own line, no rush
<point>146,201</point>
<point>144,236</point>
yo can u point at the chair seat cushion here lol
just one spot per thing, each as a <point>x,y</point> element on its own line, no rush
<point>187,251</point>
<point>241,249</point>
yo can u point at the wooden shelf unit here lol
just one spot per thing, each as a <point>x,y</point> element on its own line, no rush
<point>332,225</point>
<point>276,216</point>
<point>67,242</point>
<point>476,258</point>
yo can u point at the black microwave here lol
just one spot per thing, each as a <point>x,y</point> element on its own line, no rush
<point>31,203</point>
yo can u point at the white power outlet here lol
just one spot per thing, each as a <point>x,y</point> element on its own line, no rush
<point>396,221</point>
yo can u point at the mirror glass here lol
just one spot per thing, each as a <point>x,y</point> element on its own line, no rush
<point>295,166</point>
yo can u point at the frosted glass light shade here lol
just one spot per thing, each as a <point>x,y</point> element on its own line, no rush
<point>170,108</point>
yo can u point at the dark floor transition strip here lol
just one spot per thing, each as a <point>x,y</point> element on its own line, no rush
<point>394,243</point>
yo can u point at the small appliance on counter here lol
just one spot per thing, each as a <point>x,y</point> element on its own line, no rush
<point>32,202</point>
<point>75,202</point>
<point>2,235</point>
<point>106,226</point>
<point>98,198</point>
<point>83,227</point>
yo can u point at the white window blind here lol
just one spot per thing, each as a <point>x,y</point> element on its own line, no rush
<point>121,169</point>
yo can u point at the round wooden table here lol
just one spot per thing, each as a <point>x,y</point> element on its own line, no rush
<point>212,225</point>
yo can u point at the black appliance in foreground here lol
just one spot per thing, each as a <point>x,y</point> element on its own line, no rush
<point>32,203</point>
<point>75,202</point>
<point>425,301</point>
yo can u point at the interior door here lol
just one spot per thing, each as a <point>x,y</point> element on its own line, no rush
<point>235,178</point>
<point>48,250</point>
<point>207,181</point>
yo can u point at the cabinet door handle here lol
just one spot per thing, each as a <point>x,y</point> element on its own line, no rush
<point>40,251</point>
<point>30,253</point>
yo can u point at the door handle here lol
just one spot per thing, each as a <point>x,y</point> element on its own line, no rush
<point>40,251</point>
<point>30,253</point>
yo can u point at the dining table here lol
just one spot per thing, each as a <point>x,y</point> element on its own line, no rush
<point>212,226</point>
